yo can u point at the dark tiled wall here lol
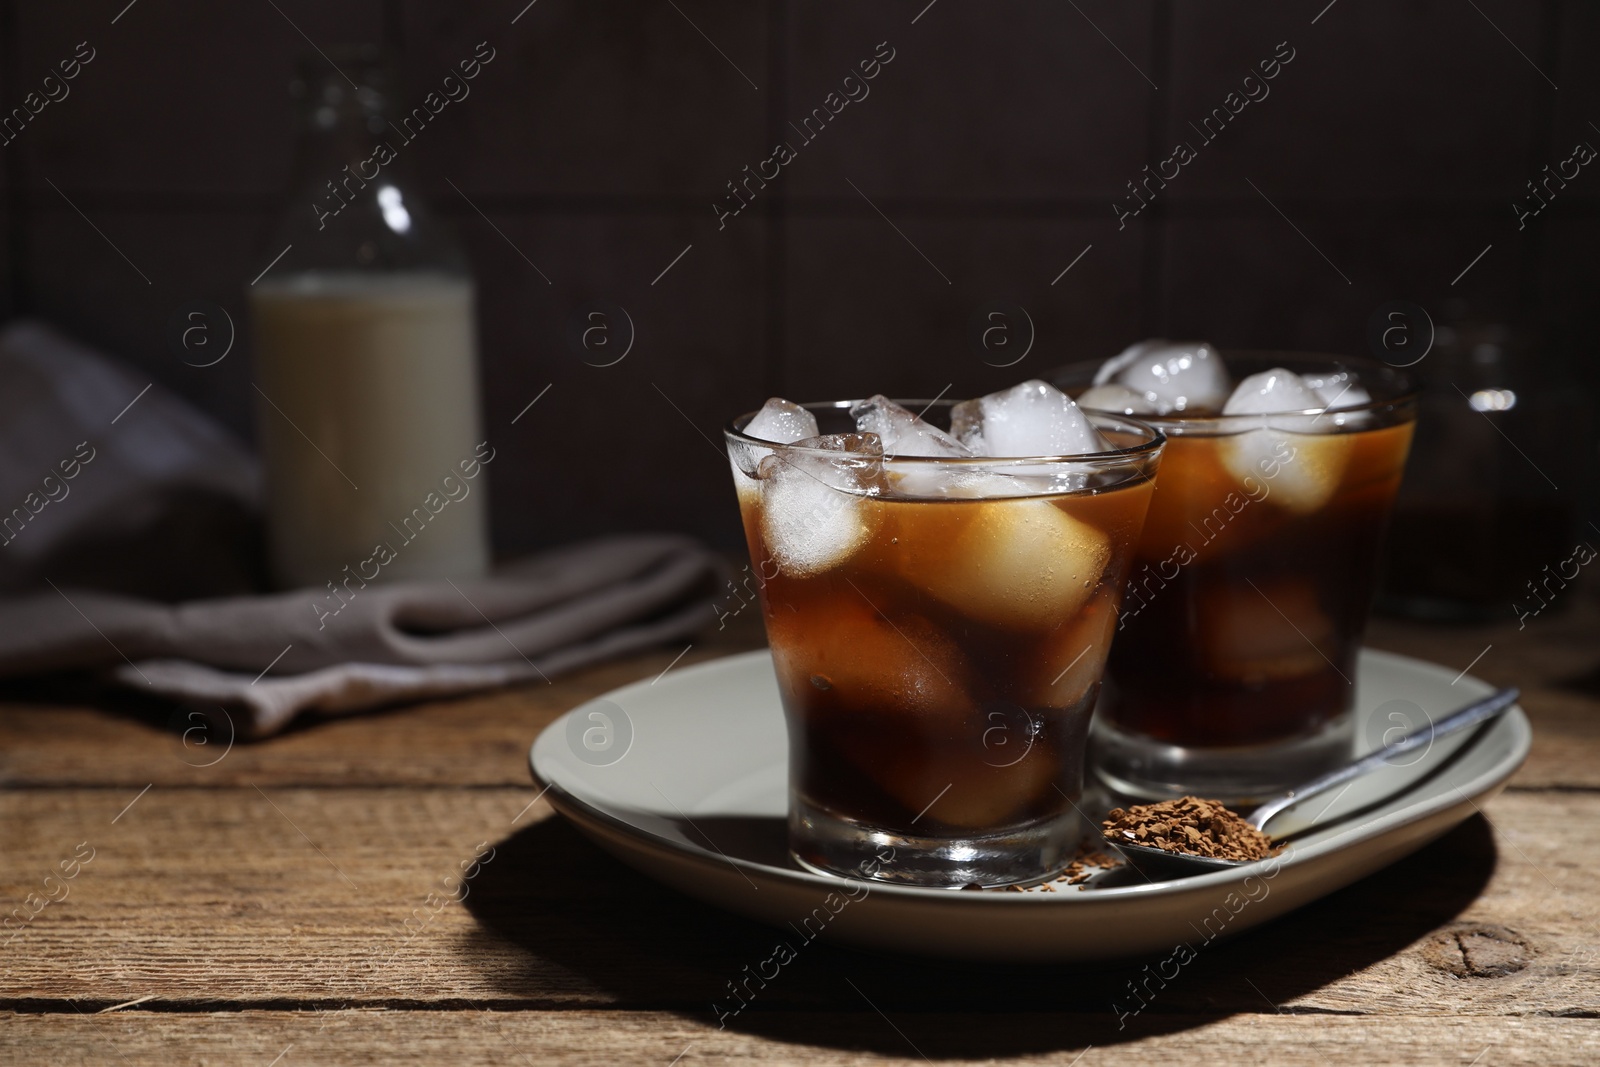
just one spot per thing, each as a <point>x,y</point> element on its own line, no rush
<point>986,158</point>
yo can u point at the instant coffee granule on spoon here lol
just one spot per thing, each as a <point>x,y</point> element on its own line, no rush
<point>1189,825</point>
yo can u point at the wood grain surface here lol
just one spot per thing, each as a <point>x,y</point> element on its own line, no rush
<point>294,901</point>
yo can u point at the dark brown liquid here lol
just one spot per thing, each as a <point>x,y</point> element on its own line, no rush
<point>939,682</point>
<point>1246,605</point>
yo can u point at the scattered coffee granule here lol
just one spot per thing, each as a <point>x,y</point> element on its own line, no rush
<point>1189,825</point>
<point>1082,868</point>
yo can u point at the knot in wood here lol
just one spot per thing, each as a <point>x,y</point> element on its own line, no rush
<point>1477,950</point>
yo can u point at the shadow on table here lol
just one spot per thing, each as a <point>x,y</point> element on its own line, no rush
<point>593,929</point>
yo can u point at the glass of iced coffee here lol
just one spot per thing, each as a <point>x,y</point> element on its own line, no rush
<point>940,586</point>
<point>1233,671</point>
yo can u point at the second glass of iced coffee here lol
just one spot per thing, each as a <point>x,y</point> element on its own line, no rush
<point>1234,669</point>
<point>940,606</point>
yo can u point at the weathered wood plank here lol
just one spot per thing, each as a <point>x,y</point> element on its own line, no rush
<point>476,740</point>
<point>483,740</point>
<point>1552,648</point>
<point>227,897</point>
<point>215,899</point>
<point>857,1036</point>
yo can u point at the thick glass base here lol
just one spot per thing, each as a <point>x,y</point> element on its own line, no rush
<point>1138,768</point>
<point>829,844</point>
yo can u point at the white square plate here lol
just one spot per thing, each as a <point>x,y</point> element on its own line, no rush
<point>686,779</point>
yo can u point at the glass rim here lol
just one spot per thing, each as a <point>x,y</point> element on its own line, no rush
<point>1409,386</point>
<point>1152,445</point>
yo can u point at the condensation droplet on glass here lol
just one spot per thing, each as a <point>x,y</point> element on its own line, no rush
<point>821,681</point>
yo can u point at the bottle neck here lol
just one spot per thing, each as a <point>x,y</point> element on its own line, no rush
<point>355,202</point>
<point>350,138</point>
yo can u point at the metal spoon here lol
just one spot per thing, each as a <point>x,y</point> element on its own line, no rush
<point>1161,864</point>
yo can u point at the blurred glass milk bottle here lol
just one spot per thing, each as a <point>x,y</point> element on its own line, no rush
<point>365,354</point>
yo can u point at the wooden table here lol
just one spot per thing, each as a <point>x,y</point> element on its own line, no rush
<point>289,904</point>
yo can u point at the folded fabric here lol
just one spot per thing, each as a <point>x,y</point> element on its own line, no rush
<point>109,480</point>
<point>130,541</point>
<point>264,659</point>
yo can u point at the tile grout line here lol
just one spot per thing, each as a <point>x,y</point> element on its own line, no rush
<point>1151,308</point>
<point>11,173</point>
<point>776,211</point>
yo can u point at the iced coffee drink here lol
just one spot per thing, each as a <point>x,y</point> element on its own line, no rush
<point>940,588</point>
<point>1233,672</point>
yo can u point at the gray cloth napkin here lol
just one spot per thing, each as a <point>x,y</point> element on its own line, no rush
<point>131,514</point>
<point>264,659</point>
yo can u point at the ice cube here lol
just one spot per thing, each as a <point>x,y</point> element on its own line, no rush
<point>1173,376</point>
<point>1276,631</point>
<point>965,792</point>
<point>1074,658</point>
<point>1300,467</point>
<point>926,742</point>
<point>863,660</point>
<point>902,432</point>
<point>1018,564</point>
<point>1273,391</point>
<point>1339,390</point>
<point>1031,419</point>
<point>813,506</point>
<point>923,741</point>
<point>782,422</point>
<point>1117,398</point>
<point>778,421</point>
<point>949,481</point>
